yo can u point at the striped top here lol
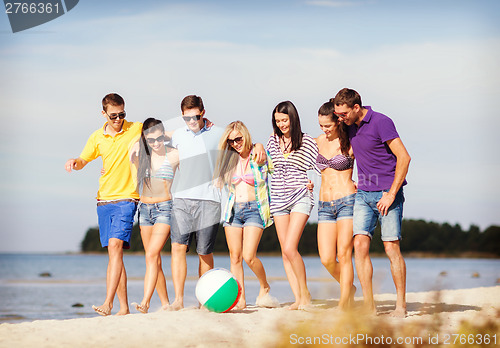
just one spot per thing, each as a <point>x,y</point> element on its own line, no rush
<point>289,179</point>
<point>165,172</point>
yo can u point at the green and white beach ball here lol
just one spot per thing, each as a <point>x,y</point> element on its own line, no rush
<point>218,290</point>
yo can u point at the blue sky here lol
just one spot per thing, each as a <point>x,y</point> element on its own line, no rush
<point>432,66</point>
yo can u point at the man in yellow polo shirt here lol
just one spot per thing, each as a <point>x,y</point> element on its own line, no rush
<point>117,196</point>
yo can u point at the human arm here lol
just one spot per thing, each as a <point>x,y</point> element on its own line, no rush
<point>75,164</point>
<point>402,164</point>
<point>259,153</point>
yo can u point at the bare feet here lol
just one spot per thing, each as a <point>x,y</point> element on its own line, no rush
<point>177,305</point>
<point>140,307</point>
<point>166,307</point>
<point>102,310</point>
<point>124,311</point>
<point>294,306</point>
<point>242,304</point>
<point>398,313</point>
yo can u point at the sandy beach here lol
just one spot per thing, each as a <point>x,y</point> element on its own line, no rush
<point>430,313</point>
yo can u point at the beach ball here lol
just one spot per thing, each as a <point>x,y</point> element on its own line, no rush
<point>218,290</point>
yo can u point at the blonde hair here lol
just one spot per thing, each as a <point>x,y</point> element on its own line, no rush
<point>228,157</point>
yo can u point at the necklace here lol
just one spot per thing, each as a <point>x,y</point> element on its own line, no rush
<point>286,146</point>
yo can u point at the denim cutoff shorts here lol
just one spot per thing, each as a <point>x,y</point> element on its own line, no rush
<point>366,215</point>
<point>245,214</point>
<point>338,209</point>
<point>155,213</point>
<point>303,206</point>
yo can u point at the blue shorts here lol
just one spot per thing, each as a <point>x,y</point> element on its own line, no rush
<point>155,213</point>
<point>366,215</point>
<point>338,209</point>
<point>303,206</point>
<point>116,221</point>
<point>245,214</point>
<point>192,218</point>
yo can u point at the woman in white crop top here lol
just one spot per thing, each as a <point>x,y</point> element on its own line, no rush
<point>156,165</point>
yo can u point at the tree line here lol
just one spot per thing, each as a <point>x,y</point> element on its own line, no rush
<point>418,236</point>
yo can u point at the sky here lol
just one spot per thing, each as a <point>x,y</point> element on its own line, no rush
<point>430,65</point>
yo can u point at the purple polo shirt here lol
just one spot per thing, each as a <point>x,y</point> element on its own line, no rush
<point>376,162</point>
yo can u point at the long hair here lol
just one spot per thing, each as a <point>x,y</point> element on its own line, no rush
<point>144,170</point>
<point>327,109</point>
<point>296,134</point>
<point>228,157</point>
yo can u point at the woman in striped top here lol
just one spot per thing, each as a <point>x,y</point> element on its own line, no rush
<point>246,212</point>
<point>156,165</point>
<point>293,154</point>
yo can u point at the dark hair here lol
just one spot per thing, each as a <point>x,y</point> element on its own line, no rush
<point>347,96</point>
<point>327,109</point>
<point>144,170</point>
<point>192,102</point>
<point>112,99</point>
<point>296,134</point>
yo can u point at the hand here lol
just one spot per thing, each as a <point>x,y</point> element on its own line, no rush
<point>355,185</point>
<point>310,186</point>
<point>70,165</point>
<point>385,202</point>
<point>259,154</point>
<point>103,171</point>
<point>208,123</point>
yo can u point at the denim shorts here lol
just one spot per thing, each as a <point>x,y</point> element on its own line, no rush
<point>193,218</point>
<point>116,221</point>
<point>366,215</point>
<point>155,213</point>
<point>245,214</point>
<point>303,205</point>
<point>338,209</point>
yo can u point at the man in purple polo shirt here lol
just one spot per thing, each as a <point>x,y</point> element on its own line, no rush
<point>383,163</point>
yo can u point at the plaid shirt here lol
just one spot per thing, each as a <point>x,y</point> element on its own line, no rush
<point>261,191</point>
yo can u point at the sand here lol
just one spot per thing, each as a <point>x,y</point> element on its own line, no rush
<point>252,327</point>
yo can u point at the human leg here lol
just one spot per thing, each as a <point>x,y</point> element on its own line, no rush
<point>345,245</point>
<point>327,248</point>
<point>154,238</point>
<point>398,271</point>
<point>364,269</point>
<point>115,279</point>
<point>179,273</point>
<point>251,240</point>
<point>234,239</point>
<point>391,235</point>
<point>282,222</point>
<point>294,233</point>
<point>115,228</point>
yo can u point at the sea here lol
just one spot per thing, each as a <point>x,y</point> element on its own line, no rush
<point>65,286</point>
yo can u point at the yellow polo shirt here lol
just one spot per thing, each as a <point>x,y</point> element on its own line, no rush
<point>118,181</point>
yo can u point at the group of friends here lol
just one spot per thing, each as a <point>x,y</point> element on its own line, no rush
<point>264,185</point>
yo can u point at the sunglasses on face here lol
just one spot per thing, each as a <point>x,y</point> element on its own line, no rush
<point>189,118</point>
<point>120,115</point>
<point>160,139</point>
<point>236,140</point>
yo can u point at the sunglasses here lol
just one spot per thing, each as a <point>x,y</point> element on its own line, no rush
<point>160,139</point>
<point>189,118</point>
<point>236,140</point>
<point>120,115</point>
<point>342,114</point>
